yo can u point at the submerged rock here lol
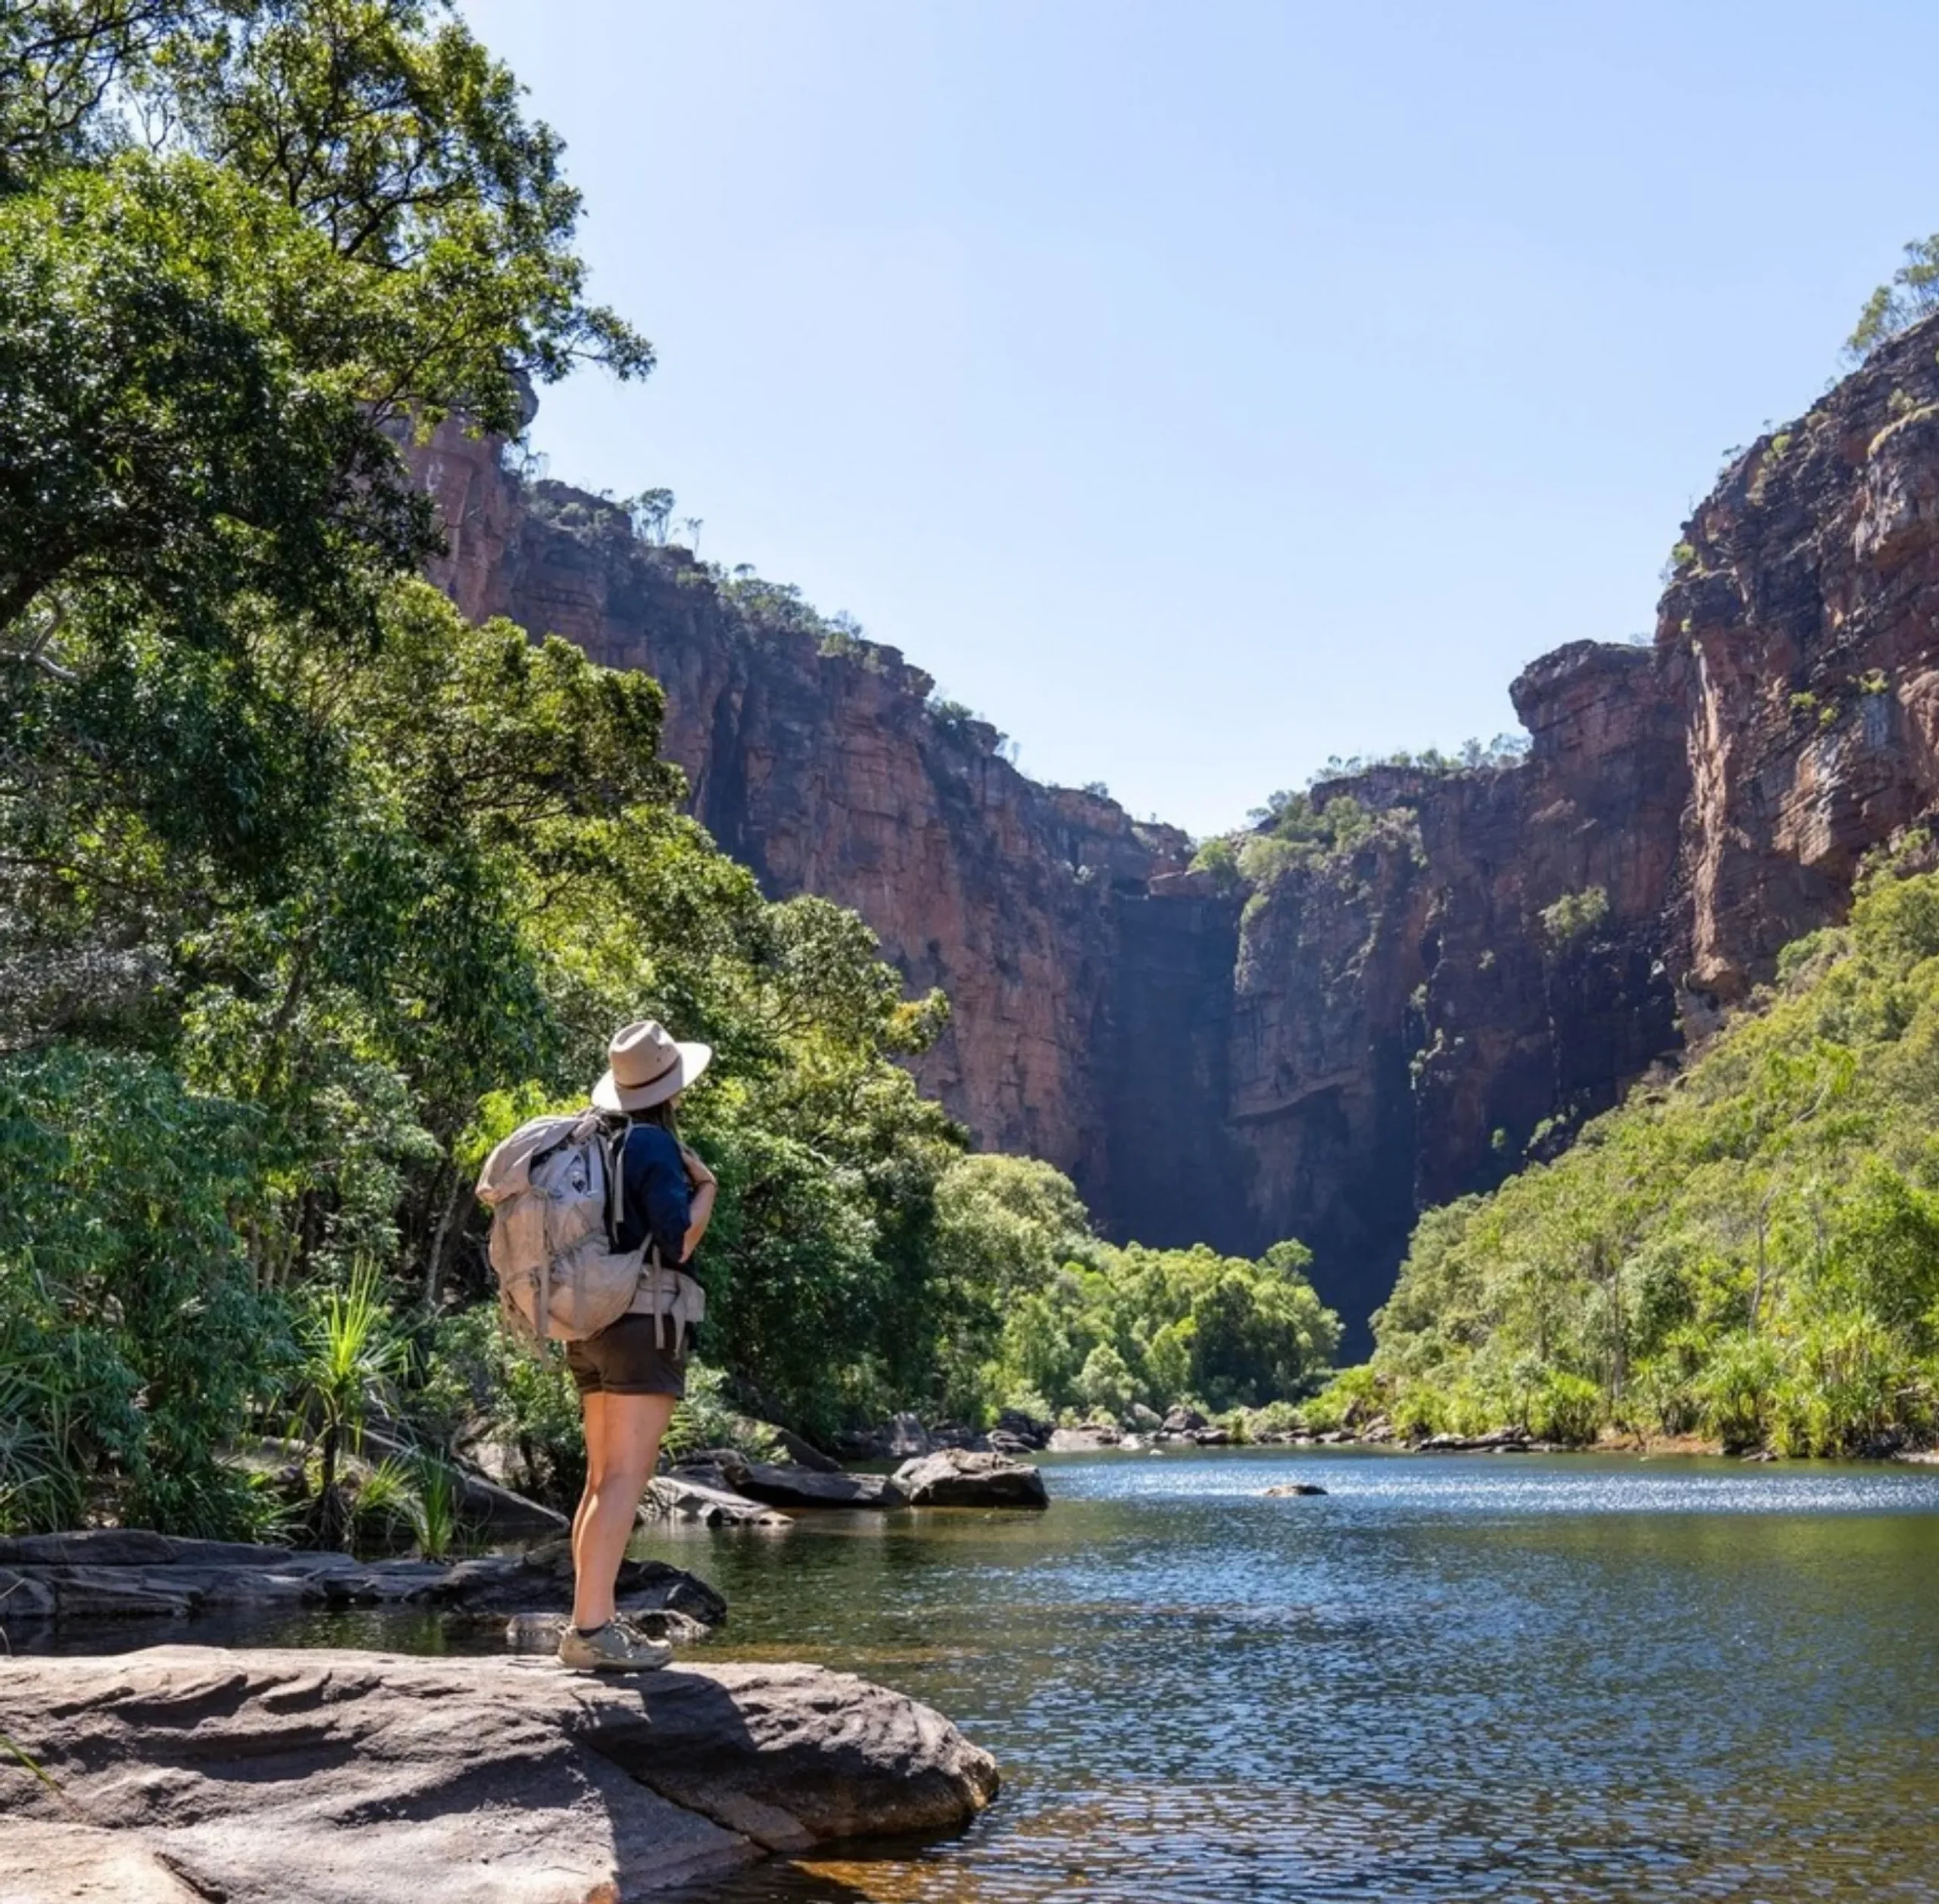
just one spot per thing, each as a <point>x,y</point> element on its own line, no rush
<point>1290,1487</point>
<point>185,1773</point>
<point>955,1478</point>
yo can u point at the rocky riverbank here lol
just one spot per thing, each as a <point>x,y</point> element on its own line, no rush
<point>130,1573</point>
<point>183,1774</point>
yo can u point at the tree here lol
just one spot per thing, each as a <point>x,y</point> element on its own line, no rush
<point>1912,294</point>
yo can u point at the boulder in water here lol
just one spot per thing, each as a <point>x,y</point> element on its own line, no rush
<point>703,1494</point>
<point>953,1478</point>
<point>781,1485</point>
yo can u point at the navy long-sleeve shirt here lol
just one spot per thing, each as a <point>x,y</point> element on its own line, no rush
<point>657,1198</point>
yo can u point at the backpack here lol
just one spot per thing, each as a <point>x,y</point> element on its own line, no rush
<point>555,1194</point>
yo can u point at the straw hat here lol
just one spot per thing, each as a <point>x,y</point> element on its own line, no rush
<point>648,1067</point>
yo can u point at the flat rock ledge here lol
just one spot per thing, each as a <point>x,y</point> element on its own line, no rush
<point>184,1774</point>
<point>130,1573</point>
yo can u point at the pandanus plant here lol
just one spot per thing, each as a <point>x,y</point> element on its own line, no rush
<point>350,1356</point>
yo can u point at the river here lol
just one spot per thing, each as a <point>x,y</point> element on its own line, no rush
<point>1461,1678</point>
<point>1467,1678</point>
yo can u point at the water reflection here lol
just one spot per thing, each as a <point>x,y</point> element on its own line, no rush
<point>1454,1679</point>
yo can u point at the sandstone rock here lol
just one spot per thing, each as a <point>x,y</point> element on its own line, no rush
<point>797,1487</point>
<point>129,1572</point>
<point>1026,1428</point>
<point>954,1478</point>
<point>1072,1440</point>
<point>1286,1489</point>
<point>1386,1027</point>
<point>66,1862</point>
<point>1505,1441</point>
<point>485,1505</point>
<point>803,1453</point>
<point>905,1438</point>
<point>1185,1420</point>
<point>784,1485</point>
<point>703,1494</point>
<point>338,1778</point>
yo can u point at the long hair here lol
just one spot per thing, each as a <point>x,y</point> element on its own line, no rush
<point>661,1113</point>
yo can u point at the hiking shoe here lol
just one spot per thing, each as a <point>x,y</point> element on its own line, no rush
<point>614,1647</point>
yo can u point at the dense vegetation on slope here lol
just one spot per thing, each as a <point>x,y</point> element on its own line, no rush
<point>1750,1253</point>
<point>308,891</point>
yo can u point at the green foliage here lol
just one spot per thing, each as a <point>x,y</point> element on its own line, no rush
<point>1574,916</point>
<point>351,1358</point>
<point>1219,858</point>
<point>433,1505</point>
<point>1292,835</point>
<point>1042,1315</point>
<point>706,1417</point>
<point>1912,294</point>
<point>133,1338</point>
<point>309,892</point>
<point>1752,1254</point>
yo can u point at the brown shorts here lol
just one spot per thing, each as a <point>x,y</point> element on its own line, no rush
<point>631,1358</point>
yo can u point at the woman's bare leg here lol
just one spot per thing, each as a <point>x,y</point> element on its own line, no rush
<point>629,1432</point>
<point>592,1412</point>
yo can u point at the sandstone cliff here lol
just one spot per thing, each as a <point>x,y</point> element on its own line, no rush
<point>1372,1029</point>
<point>821,762</point>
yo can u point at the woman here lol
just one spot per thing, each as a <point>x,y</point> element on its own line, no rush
<point>629,1376</point>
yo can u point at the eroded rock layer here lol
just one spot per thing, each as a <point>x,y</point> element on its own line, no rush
<point>1373,1029</point>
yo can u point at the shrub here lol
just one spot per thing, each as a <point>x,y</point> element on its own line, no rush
<point>1574,915</point>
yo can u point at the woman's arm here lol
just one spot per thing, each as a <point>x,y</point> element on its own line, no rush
<point>705,1187</point>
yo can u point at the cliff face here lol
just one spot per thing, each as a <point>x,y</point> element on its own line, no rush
<point>1799,629</point>
<point>817,760</point>
<point>1374,1029</point>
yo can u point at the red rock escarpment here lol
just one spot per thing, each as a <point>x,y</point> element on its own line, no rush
<point>1377,1029</point>
<point>820,763</point>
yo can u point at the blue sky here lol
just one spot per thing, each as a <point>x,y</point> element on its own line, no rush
<point>1199,392</point>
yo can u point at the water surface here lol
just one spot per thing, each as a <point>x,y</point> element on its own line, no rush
<point>1468,1679</point>
<point>1450,1678</point>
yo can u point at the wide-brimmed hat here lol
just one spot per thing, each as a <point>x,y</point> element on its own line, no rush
<point>648,1067</point>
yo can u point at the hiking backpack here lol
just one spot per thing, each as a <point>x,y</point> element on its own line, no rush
<point>555,1194</point>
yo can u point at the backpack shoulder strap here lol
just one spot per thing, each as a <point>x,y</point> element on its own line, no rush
<point>615,1149</point>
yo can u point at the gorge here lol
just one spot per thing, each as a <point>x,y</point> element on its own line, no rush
<point>1367,1031</point>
